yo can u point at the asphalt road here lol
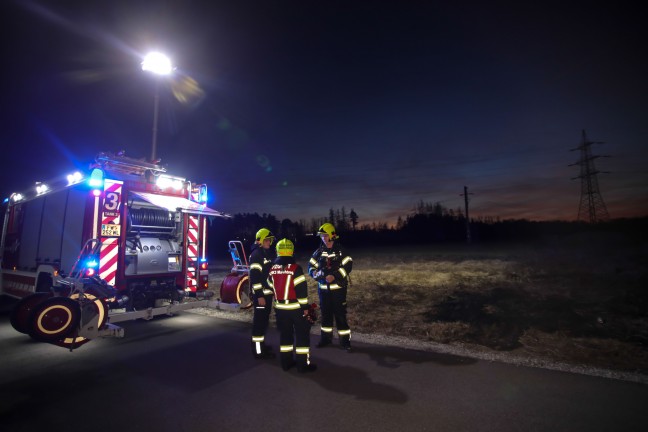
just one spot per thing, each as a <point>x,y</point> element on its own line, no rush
<point>195,373</point>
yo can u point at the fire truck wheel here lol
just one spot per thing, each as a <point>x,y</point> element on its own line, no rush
<point>92,306</point>
<point>54,319</point>
<point>19,317</point>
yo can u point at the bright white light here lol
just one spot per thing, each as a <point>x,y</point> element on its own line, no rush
<point>157,63</point>
<point>74,178</point>
<point>17,197</point>
<point>95,182</point>
<point>41,188</point>
<point>165,181</point>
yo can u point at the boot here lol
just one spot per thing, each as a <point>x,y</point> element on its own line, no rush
<point>287,365</point>
<point>307,368</point>
<point>304,364</point>
<point>325,340</point>
<point>263,355</point>
<point>345,343</point>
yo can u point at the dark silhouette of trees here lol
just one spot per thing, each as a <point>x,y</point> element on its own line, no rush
<point>427,223</point>
<point>354,219</point>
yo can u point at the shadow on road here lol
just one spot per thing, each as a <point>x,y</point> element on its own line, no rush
<point>393,358</point>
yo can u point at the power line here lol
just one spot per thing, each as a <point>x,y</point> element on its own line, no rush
<point>591,200</point>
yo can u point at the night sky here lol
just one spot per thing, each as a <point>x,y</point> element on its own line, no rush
<point>295,107</point>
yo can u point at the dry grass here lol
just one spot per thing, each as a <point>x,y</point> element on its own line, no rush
<point>571,302</point>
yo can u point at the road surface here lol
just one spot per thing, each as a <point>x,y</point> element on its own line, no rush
<point>196,373</point>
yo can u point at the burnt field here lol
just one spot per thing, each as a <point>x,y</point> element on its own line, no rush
<point>580,300</point>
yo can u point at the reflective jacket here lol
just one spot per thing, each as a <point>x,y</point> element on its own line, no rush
<point>260,263</point>
<point>288,282</point>
<point>334,261</point>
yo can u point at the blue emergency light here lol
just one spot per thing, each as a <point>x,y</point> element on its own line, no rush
<point>96,178</point>
<point>90,267</point>
<point>202,194</point>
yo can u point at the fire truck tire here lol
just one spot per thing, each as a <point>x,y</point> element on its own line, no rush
<point>236,289</point>
<point>19,317</point>
<point>54,319</point>
<point>93,306</point>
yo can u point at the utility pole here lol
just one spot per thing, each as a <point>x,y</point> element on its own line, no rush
<point>591,207</point>
<point>465,195</point>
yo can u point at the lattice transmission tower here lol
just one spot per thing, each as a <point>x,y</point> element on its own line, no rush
<point>591,208</point>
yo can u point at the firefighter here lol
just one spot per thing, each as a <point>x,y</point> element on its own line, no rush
<point>288,282</point>
<point>330,266</point>
<point>260,262</point>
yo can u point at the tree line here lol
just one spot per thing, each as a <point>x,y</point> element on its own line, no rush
<point>427,223</point>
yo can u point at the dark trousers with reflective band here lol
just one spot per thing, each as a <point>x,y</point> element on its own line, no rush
<point>260,323</point>
<point>333,306</point>
<point>294,331</point>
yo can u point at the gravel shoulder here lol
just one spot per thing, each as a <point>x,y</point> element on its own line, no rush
<point>461,350</point>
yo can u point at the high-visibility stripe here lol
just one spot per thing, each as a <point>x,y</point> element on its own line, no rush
<point>204,240</point>
<point>344,332</point>
<point>287,287</point>
<point>286,348</point>
<point>289,306</point>
<point>330,286</point>
<point>327,329</point>
<point>95,218</point>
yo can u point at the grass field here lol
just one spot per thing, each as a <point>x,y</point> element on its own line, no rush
<point>581,300</point>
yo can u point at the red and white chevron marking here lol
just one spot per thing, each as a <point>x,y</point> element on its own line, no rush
<point>108,259</point>
<point>192,252</point>
<point>109,253</point>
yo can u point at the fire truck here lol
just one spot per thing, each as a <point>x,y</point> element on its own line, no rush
<point>122,241</point>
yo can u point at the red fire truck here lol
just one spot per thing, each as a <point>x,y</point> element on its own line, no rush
<point>125,240</point>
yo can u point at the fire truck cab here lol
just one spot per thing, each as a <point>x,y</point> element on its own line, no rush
<point>124,240</point>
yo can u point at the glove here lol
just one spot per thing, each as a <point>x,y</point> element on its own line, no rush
<point>311,314</point>
<point>318,275</point>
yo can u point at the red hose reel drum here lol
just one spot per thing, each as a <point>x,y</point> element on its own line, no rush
<point>236,289</point>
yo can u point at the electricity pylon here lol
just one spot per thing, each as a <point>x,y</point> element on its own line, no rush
<point>591,208</point>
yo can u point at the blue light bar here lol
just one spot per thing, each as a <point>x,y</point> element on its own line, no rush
<point>96,178</point>
<point>202,197</point>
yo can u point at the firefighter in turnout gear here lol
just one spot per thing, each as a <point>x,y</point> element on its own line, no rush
<point>288,282</point>
<point>260,262</point>
<point>330,266</point>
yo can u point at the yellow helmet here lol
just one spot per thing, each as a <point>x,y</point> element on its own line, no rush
<point>263,234</point>
<point>285,247</point>
<point>329,229</point>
